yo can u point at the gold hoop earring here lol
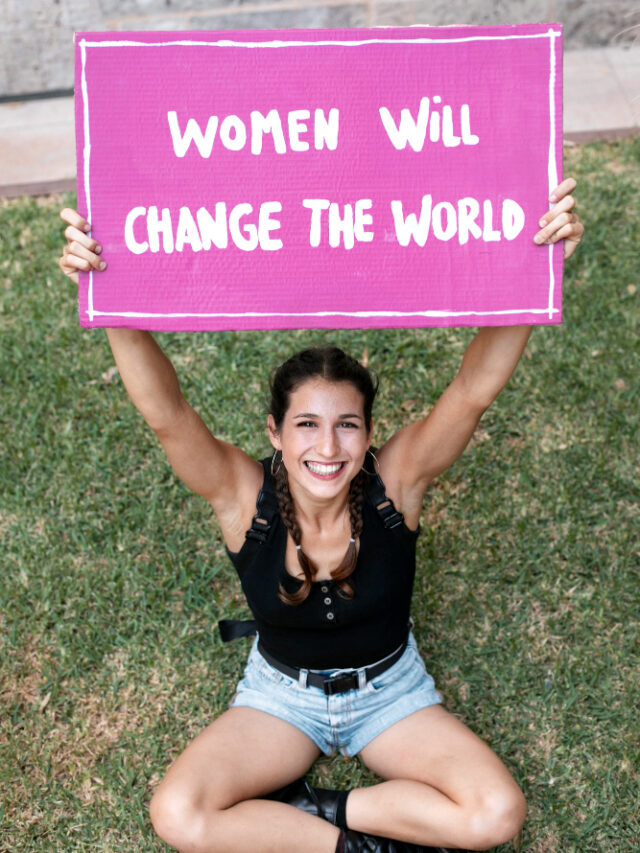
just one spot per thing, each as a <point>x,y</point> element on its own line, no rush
<point>274,470</point>
<point>376,465</point>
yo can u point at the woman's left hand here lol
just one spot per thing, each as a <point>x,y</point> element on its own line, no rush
<point>561,223</point>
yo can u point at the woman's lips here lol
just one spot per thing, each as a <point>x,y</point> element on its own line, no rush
<point>323,470</point>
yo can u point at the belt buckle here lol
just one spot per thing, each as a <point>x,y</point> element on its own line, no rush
<point>340,684</point>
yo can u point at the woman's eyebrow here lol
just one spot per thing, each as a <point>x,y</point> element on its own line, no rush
<point>340,417</point>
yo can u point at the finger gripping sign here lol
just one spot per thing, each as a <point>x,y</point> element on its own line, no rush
<point>320,178</point>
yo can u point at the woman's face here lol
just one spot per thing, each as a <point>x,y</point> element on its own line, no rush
<point>323,437</point>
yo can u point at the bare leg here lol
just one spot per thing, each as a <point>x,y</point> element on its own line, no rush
<point>445,788</point>
<point>208,801</point>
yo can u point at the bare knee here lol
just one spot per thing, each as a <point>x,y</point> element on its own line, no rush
<point>179,819</point>
<point>496,818</point>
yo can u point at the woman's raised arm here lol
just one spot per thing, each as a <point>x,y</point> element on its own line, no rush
<point>418,453</point>
<point>226,476</point>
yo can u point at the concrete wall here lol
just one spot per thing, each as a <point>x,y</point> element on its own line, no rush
<point>36,47</point>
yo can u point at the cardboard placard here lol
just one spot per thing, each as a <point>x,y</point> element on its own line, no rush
<point>320,178</point>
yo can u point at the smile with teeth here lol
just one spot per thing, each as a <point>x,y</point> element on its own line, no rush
<point>320,469</point>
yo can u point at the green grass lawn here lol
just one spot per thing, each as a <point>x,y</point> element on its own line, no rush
<point>527,602</point>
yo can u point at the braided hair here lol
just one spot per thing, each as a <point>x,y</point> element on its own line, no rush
<point>333,365</point>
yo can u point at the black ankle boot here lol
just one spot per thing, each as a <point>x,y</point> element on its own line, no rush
<point>316,801</point>
<point>320,802</point>
<point>359,842</point>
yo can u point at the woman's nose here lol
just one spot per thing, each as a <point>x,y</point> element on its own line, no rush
<point>328,443</point>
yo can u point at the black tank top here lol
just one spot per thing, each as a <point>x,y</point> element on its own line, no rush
<point>328,631</point>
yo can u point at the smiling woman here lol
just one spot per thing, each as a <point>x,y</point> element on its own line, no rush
<point>320,424</point>
<point>323,536</point>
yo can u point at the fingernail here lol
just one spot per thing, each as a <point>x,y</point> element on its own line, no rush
<point>537,239</point>
<point>98,249</point>
<point>87,228</point>
<point>103,265</point>
<point>553,197</point>
<point>542,223</point>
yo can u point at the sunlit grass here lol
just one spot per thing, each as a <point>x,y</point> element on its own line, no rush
<point>527,602</point>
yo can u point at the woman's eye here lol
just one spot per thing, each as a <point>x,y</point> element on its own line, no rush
<point>349,424</point>
<point>306,424</point>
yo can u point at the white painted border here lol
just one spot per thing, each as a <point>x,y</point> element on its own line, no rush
<point>335,313</point>
<point>552,165</point>
<point>86,157</point>
<point>551,34</point>
<point>277,44</point>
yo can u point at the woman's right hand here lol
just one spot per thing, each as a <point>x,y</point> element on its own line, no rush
<point>81,251</point>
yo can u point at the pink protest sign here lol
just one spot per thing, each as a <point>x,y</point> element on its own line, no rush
<point>320,178</point>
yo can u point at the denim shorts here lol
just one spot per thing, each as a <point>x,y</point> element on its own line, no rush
<point>346,721</point>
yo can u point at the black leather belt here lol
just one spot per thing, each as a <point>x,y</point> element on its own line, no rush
<point>349,680</point>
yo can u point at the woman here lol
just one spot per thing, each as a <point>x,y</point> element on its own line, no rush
<point>323,537</point>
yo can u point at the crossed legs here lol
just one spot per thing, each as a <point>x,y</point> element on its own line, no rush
<point>443,786</point>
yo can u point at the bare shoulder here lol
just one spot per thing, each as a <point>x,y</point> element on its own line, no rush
<point>421,451</point>
<point>213,468</point>
<point>399,475</point>
<point>235,503</point>
<point>227,477</point>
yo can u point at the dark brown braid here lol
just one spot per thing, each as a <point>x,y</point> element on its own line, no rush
<point>309,570</point>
